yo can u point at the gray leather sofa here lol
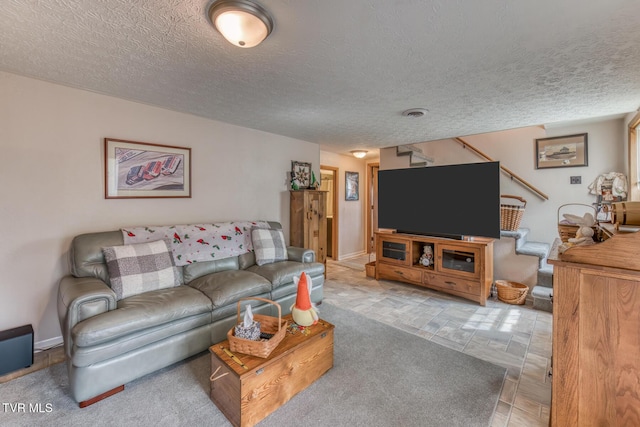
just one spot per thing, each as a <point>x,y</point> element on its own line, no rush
<point>109,343</point>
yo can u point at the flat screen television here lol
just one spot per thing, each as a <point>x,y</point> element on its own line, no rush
<point>453,201</point>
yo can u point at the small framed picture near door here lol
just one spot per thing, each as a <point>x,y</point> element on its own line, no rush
<point>561,151</point>
<point>352,185</point>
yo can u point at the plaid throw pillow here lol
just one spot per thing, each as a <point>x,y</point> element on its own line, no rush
<point>134,269</point>
<point>269,245</point>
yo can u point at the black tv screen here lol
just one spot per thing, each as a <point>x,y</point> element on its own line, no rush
<point>452,201</point>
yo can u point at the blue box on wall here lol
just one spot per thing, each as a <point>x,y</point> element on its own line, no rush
<point>16,349</point>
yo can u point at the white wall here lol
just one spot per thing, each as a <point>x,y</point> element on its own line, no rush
<point>53,183</point>
<point>351,214</point>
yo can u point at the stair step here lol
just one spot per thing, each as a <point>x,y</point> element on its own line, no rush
<point>542,298</point>
<point>545,279</point>
<point>416,157</point>
<point>405,150</point>
<point>524,247</point>
<point>520,235</point>
<point>540,250</point>
<point>516,234</point>
<point>419,160</point>
<point>546,267</point>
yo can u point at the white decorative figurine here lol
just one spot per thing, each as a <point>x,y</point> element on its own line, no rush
<point>584,236</point>
<point>426,259</point>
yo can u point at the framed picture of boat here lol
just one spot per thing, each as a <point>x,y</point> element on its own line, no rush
<point>143,170</point>
<point>562,151</point>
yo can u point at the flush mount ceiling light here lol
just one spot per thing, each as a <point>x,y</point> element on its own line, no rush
<point>242,22</point>
<point>359,153</point>
<point>415,112</point>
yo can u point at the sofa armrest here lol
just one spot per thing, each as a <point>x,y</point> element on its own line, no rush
<point>301,254</point>
<point>80,298</point>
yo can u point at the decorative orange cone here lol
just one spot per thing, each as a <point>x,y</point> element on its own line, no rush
<point>303,312</point>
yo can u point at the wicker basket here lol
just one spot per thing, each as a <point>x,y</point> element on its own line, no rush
<point>568,231</point>
<point>511,215</point>
<point>268,324</point>
<point>370,268</point>
<point>511,292</point>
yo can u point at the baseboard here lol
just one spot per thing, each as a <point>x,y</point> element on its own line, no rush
<point>47,344</point>
<point>352,255</point>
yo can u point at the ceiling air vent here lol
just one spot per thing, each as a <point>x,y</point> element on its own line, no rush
<point>414,112</point>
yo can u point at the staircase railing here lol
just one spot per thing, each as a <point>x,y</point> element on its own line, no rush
<point>512,175</point>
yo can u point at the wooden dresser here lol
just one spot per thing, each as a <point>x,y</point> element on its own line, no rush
<point>596,334</point>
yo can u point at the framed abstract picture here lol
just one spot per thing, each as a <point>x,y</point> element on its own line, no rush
<point>352,191</point>
<point>301,174</point>
<point>562,151</point>
<point>144,170</point>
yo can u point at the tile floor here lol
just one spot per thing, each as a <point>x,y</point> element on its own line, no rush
<point>514,336</point>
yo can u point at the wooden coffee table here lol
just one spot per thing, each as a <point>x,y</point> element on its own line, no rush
<point>249,392</point>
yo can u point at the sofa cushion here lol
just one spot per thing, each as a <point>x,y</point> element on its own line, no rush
<point>87,258</point>
<point>269,245</point>
<point>227,287</point>
<point>279,273</point>
<point>246,260</point>
<point>140,312</point>
<point>202,268</point>
<point>135,269</point>
<point>86,356</point>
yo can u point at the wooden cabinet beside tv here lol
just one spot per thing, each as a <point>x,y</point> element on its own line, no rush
<point>596,318</point>
<point>460,267</point>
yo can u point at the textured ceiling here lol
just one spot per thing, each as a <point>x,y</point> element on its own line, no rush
<point>339,73</point>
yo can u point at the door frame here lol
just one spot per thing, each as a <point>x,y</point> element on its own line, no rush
<point>370,244</point>
<point>336,222</point>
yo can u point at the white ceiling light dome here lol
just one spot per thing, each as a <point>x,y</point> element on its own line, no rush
<point>242,22</point>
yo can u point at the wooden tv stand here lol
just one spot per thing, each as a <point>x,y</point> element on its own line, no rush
<point>460,267</point>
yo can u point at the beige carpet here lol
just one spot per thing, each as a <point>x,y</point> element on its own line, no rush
<point>382,376</point>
